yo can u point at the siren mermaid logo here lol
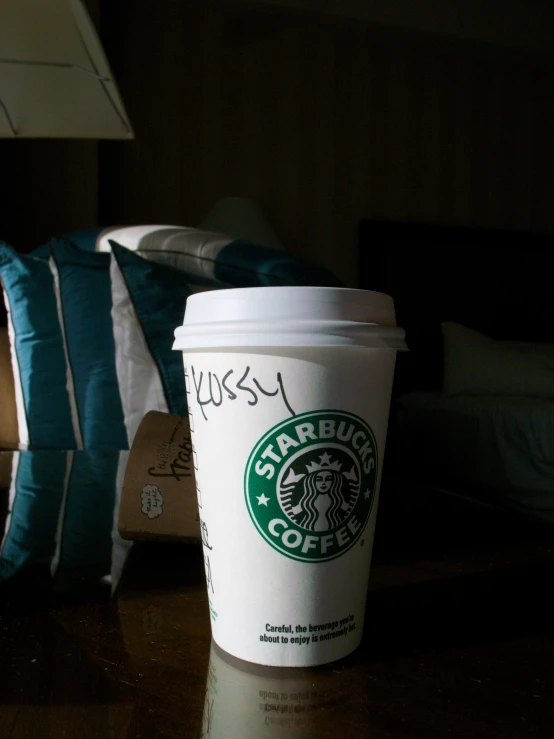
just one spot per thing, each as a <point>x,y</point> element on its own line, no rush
<point>320,498</point>
<point>310,484</point>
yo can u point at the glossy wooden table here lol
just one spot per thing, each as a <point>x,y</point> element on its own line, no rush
<point>458,643</point>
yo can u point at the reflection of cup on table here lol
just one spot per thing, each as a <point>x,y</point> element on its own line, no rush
<point>288,392</point>
<point>245,701</point>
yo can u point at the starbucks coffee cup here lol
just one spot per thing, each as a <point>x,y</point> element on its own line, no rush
<point>288,391</point>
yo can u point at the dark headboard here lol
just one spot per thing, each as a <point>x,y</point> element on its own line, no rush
<point>497,282</point>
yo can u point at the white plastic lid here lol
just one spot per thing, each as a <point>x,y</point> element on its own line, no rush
<point>289,316</point>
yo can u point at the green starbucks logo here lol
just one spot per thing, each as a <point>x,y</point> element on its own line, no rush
<point>310,484</point>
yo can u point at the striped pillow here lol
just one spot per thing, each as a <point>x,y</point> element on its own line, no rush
<point>38,360</point>
<point>82,286</point>
<point>62,515</point>
<point>216,258</point>
<point>28,534</point>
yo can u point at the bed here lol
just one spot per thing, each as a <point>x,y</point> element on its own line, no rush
<point>473,400</point>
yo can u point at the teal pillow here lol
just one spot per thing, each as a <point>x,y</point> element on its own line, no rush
<point>38,359</point>
<point>84,541</point>
<point>82,282</point>
<point>36,493</point>
<point>85,239</point>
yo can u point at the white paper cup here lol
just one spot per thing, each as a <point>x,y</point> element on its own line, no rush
<point>288,392</point>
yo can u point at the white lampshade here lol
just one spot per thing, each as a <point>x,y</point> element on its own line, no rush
<point>55,80</point>
<point>241,218</point>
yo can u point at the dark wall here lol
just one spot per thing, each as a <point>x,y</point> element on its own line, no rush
<point>48,187</point>
<point>322,120</point>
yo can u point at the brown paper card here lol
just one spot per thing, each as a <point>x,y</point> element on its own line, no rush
<point>158,498</point>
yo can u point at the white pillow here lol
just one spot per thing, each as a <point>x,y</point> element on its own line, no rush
<point>476,364</point>
<point>187,249</point>
<point>140,384</point>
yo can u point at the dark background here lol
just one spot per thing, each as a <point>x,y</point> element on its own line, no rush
<point>323,119</point>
